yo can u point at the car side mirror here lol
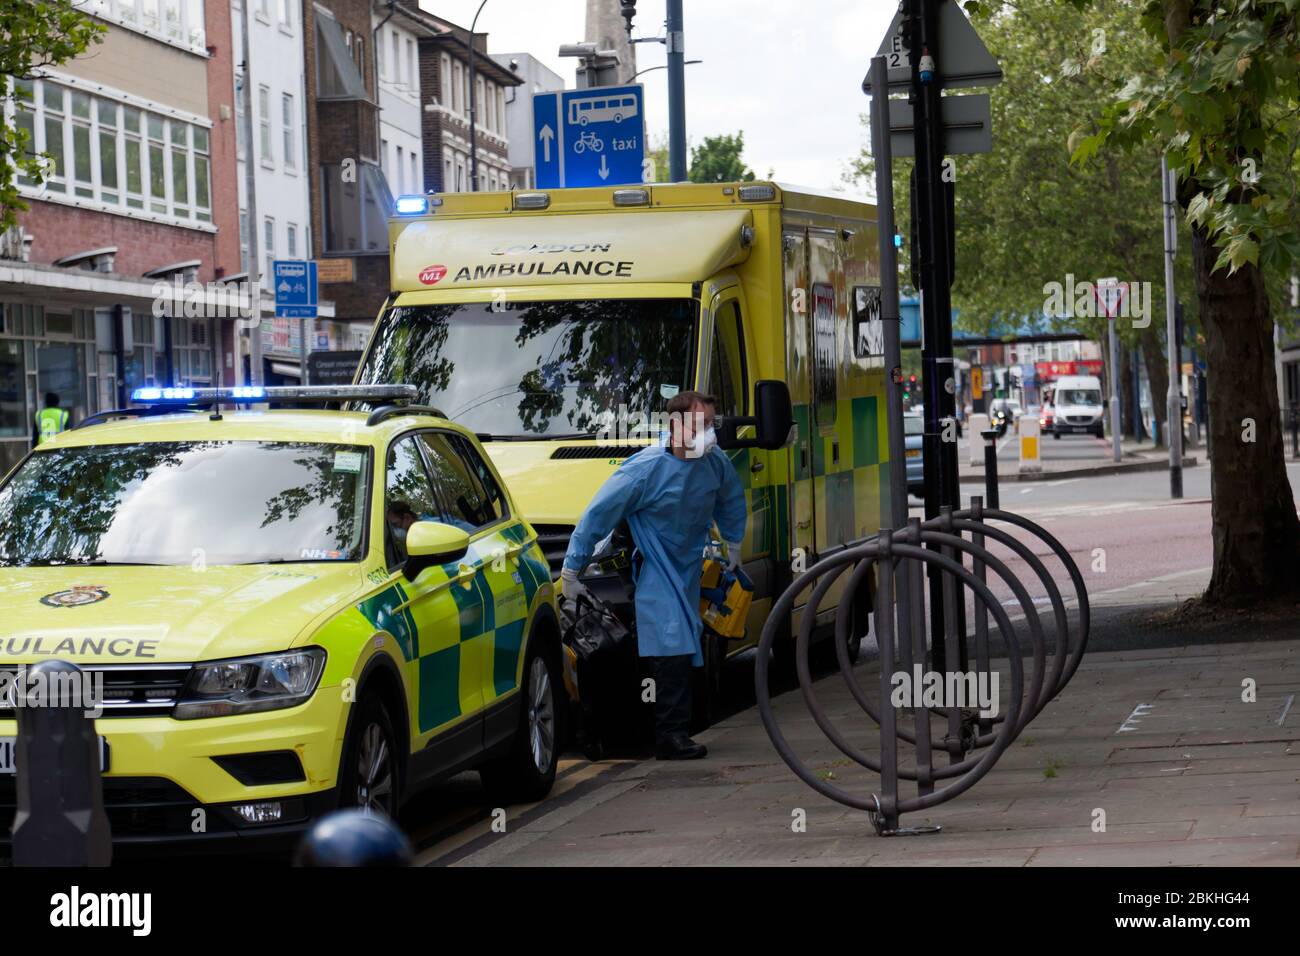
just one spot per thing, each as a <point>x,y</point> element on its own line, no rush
<point>773,420</point>
<point>432,542</point>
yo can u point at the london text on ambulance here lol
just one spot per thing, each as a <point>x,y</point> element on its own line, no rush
<point>48,647</point>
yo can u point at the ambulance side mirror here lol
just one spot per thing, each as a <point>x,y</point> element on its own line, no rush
<point>772,422</point>
<point>775,413</point>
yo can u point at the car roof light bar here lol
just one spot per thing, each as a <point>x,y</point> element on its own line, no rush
<point>250,394</point>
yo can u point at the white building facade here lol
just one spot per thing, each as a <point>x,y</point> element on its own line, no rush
<point>537,78</point>
<point>396,39</point>
<point>279,147</point>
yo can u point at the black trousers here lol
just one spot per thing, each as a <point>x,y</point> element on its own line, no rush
<point>672,677</point>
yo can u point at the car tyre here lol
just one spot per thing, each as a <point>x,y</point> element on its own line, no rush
<point>526,773</point>
<point>370,775</point>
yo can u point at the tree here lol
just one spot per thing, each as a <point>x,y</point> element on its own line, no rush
<point>1026,219</point>
<point>1223,102</point>
<point>33,34</point>
<point>717,160</point>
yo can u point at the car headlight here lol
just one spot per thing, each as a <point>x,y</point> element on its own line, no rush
<point>249,684</point>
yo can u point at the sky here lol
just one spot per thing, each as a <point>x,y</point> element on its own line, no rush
<point>786,72</point>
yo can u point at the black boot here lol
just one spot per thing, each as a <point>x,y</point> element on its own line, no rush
<point>680,748</point>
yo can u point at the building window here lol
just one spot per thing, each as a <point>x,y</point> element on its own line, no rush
<point>396,66</point>
<point>291,240</point>
<point>416,185</point>
<point>444,82</point>
<point>356,212</point>
<point>243,241</point>
<point>286,13</point>
<point>457,89</point>
<point>286,111</point>
<point>268,248</point>
<point>264,123</point>
<point>337,76</point>
<point>178,20</point>
<point>105,152</point>
<point>410,64</point>
<point>263,9</point>
<point>399,171</point>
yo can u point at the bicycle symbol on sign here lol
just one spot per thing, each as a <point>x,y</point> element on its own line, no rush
<point>588,141</point>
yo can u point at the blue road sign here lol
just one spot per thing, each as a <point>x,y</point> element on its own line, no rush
<point>593,137</point>
<point>295,288</point>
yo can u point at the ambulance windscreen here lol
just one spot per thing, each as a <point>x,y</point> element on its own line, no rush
<point>538,369</point>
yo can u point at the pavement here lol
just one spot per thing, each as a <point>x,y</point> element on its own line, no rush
<point>1152,756</point>
<point>1073,456</point>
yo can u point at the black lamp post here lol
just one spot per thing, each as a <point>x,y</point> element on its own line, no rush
<point>473,102</point>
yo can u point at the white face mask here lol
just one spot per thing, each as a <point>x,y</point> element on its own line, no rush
<point>703,441</point>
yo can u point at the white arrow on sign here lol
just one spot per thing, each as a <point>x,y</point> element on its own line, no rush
<point>604,167</point>
<point>546,134</point>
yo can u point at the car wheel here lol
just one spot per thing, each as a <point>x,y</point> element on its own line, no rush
<point>527,772</point>
<point>369,778</point>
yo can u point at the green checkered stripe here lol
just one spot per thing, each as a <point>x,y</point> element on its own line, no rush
<point>472,629</point>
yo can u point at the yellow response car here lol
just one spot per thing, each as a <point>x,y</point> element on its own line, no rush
<point>291,610</point>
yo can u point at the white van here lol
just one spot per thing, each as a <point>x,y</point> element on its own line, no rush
<point>1077,406</point>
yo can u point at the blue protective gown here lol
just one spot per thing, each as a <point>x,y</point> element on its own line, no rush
<point>669,503</point>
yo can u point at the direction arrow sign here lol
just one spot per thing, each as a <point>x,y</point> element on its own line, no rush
<point>967,125</point>
<point>591,137</point>
<point>963,60</point>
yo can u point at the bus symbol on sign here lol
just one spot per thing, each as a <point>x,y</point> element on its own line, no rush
<point>601,109</point>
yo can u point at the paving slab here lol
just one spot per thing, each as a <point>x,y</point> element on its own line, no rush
<point>1196,777</point>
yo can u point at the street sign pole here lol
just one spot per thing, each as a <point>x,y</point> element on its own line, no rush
<point>940,456</point>
<point>1174,418</point>
<point>896,516</point>
<point>1115,437</point>
<point>676,93</point>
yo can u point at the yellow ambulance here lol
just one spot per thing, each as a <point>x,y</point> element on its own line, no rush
<point>548,321</point>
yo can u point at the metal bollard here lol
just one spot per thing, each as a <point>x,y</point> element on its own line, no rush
<point>60,819</point>
<point>354,838</point>
<point>990,436</point>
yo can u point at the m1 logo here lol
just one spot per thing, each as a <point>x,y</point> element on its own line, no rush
<point>432,275</point>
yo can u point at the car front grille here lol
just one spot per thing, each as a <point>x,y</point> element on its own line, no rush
<point>1080,420</point>
<point>135,806</point>
<point>127,690</point>
<point>595,451</point>
<point>554,539</point>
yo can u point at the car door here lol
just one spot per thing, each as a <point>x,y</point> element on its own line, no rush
<point>472,499</point>
<point>442,605</point>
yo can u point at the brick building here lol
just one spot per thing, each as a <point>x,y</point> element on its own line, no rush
<point>444,78</point>
<point>140,190</point>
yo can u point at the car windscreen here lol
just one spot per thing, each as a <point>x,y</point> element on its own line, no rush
<point>537,369</point>
<point>1078,396</point>
<point>218,502</point>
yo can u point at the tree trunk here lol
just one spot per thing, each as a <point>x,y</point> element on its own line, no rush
<point>1255,528</point>
<point>1156,360</point>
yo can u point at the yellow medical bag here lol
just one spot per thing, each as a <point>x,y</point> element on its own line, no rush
<point>725,597</point>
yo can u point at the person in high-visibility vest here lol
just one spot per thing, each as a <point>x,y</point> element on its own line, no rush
<point>51,419</point>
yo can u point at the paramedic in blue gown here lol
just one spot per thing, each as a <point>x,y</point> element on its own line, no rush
<point>669,494</point>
